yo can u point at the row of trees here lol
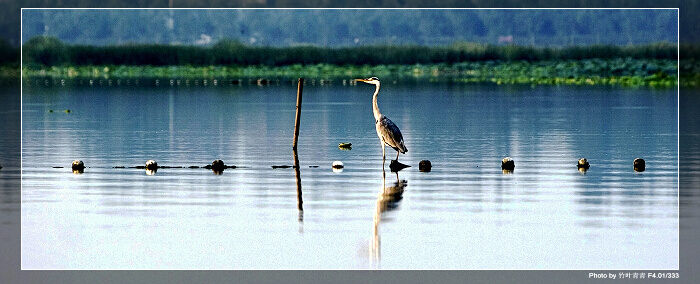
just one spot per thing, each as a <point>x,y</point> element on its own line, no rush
<point>353,27</point>
<point>49,51</point>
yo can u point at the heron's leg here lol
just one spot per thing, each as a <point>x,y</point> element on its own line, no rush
<point>397,155</point>
<point>383,151</point>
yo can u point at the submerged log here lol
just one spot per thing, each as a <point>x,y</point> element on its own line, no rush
<point>281,167</point>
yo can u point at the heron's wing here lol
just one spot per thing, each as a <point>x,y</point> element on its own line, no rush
<point>391,134</point>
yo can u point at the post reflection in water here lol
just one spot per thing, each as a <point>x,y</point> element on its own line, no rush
<point>387,200</point>
<point>300,202</point>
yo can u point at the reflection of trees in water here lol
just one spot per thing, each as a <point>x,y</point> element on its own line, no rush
<point>387,200</point>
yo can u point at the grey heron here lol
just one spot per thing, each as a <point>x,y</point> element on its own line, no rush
<point>388,132</point>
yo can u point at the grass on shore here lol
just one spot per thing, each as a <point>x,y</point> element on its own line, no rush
<point>617,71</point>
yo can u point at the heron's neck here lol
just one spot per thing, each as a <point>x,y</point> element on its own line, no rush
<point>375,107</point>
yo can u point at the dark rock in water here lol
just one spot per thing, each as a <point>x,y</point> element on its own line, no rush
<point>583,164</point>
<point>396,166</point>
<point>424,166</point>
<point>77,165</point>
<point>218,165</point>
<point>508,164</point>
<point>151,165</point>
<point>345,146</point>
<point>217,168</point>
<point>193,167</point>
<point>337,165</point>
<point>639,165</point>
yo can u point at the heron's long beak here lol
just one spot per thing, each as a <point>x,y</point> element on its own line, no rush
<point>361,80</point>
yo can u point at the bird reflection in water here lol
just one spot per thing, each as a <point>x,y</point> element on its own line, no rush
<point>387,200</point>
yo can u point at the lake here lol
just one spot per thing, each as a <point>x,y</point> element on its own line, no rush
<point>467,213</point>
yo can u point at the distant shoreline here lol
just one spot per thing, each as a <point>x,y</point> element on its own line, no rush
<point>619,71</point>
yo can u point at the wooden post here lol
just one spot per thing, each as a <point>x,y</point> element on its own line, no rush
<point>300,87</point>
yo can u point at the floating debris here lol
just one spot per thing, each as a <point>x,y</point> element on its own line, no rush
<point>337,167</point>
<point>583,164</point>
<point>424,166</point>
<point>282,167</point>
<point>639,165</point>
<point>65,110</point>
<point>217,165</point>
<point>78,165</point>
<point>151,165</point>
<point>345,146</point>
<point>313,166</point>
<point>508,164</point>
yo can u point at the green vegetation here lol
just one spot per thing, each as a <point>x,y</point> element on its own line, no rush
<point>49,51</point>
<point>652,65</point>
<point>625,72</point>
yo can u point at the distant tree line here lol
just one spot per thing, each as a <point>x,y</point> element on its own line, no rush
<point>8,53</point>
<point>49,51</point>
<point>352,27</point>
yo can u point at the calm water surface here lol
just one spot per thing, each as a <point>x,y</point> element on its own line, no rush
<point>464,214</point>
